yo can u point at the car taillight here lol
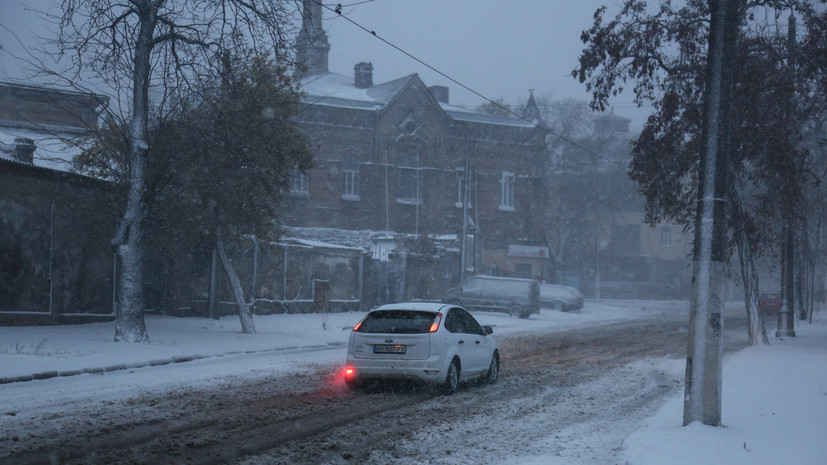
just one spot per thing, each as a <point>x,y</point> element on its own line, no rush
<point>356,328</point>
<point>349,371</point>
<point>436,322</point>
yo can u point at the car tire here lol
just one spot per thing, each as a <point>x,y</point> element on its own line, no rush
<point>515,310</point>
<point>451,383</point>
<point>493,369</point>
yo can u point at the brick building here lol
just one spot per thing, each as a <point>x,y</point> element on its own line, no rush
<point>397,157</point>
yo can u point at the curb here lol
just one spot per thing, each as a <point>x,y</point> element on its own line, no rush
<point>157,362</point>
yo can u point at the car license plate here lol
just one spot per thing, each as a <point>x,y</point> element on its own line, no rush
<point>389,349</point>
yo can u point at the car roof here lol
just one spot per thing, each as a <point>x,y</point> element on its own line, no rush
<point>418,306</point>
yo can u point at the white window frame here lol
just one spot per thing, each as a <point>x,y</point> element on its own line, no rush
<point>507,187</point>
<point>299,183</point>
<point>460,187</point>
<point>350,177</point>
<point>667,237</point>
<point>410,167</point>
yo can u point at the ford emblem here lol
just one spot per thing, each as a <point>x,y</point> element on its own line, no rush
<point>388,340</point>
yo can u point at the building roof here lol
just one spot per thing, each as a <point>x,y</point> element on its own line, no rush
<point>55,150</point>
<point>53,120</point>
<point>336,90</point>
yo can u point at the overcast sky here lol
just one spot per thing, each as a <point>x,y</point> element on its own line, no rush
<point>498,48</point>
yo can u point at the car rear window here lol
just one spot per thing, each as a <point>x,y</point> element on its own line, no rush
<point>397,322</point>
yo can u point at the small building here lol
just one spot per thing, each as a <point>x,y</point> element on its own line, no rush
<point>56,264</point>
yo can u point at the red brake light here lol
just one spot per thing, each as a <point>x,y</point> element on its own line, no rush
<point>356,328</point>
<point>435,324</point>
<point>349,371</point>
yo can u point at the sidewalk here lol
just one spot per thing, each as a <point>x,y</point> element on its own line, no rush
<point>42,352</point>
<point>774,410</point>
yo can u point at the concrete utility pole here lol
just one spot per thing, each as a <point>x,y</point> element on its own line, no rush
<point>702,399</point>
<point>786,314</point>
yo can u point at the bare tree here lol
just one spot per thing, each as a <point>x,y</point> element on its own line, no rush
<point>143,48</point>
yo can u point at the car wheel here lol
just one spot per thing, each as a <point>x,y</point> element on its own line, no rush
<point>515,310</point>
<point>493,369</point>
<point>451,378</point>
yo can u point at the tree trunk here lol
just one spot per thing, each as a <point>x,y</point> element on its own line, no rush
<point>130,326</point>
<point>244,314</point>
<point>756,327</point>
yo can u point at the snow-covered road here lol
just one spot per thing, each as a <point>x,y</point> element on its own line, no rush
<point>569,393</point>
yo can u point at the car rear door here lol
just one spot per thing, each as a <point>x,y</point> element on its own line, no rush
<point>470,340</point>
<point>481,346</point>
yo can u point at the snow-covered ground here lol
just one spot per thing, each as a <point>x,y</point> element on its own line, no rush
<point>774,405</point>
<point>774,410</point>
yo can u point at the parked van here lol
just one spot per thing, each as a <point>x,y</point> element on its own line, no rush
<point>518,297</point>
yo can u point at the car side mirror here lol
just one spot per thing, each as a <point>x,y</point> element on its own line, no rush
<point>488,330</point>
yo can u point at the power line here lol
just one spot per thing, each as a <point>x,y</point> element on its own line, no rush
<point>338,10</point>
<point>339,5</point>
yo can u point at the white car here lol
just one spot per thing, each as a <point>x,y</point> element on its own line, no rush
<point>440,344</point>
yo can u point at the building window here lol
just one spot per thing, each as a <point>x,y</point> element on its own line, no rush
<point>507,191</point>
<point>350,175</point>
<point>299,182</point>
<point>461,188</point>
<point>409,189</point>
<point>666,237</point>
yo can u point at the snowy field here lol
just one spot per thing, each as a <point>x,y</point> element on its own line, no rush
<point>774,405</point>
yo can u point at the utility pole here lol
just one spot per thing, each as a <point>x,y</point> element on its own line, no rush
<point>462,244</point>
<point>702,397</point>
<point>786,314</point>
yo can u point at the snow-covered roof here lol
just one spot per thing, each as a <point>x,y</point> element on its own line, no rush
<point>352,238</point>
<point>418,306</point>
<point>361,239</point>
<point>319,244</point>
<point>337,90</point>
<point>55,149</point>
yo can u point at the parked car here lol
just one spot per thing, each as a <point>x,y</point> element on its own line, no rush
<point>559,297</point>
<point>439,344</point>
<point>769,302</point>
<point>518,297</point>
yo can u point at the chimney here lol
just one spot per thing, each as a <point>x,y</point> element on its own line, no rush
<point>312,46</point>
<point>24,150</point>
<point>363,75</point>
<point>440,93</point>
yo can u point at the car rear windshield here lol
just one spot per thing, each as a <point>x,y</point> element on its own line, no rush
<point>397,322</point>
